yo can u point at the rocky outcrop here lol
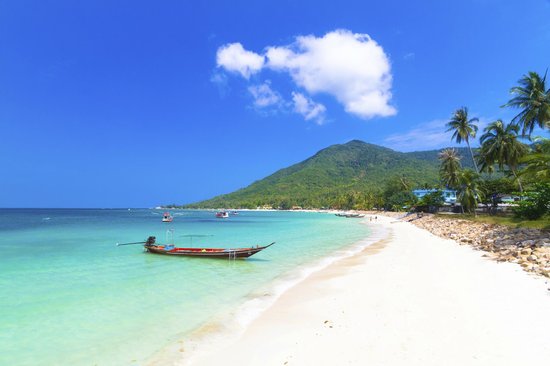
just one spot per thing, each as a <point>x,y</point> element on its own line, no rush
<point>530,248</point>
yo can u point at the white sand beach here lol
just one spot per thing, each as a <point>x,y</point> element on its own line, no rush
<point>411,299</point>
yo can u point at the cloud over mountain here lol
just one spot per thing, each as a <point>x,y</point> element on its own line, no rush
<point>308,108</point>
<point>263,95</point>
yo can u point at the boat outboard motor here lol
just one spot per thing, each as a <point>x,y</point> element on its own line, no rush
<point>150,241</point>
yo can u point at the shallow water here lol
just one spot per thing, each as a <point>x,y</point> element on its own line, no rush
<point>70,296</point>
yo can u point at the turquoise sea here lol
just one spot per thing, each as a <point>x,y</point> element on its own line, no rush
<point>70,296</point>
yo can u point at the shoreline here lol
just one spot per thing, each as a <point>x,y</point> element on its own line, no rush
<point>421,300</point>
<point>529,248</point>
<point>228,326</point>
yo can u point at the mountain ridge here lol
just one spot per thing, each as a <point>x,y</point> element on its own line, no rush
<point>333,174</point>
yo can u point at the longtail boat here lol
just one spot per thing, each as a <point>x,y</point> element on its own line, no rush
<point>169,249</point>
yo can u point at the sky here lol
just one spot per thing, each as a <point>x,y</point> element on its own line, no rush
<point>137,104</point>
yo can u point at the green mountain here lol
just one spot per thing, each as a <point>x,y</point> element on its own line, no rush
<point>343,175</point>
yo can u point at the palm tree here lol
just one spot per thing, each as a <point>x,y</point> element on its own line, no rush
<point>534,99</point>
<point>450,167</point>
<point>463,128</point>
<point>537,163</point>
<point>500,145</point>
<point>469,190</point>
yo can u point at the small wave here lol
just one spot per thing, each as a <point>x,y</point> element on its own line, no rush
<point>46,218</point>
<point>230,325</point>
<point>257,304</point>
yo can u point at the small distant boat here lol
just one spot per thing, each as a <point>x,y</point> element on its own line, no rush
<point>230,253</point>
<point>222,215</point>
<point>166,217</point>
<point>234,213</point>
<point>350,215</point>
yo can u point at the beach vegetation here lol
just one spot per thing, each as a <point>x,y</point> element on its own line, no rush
<point>463,128</point>
<point>398,194</point>
<point>495,189</point>
<point>450,167</point>
<point>536,165</point>
<point>470,192</point>
<point>502,151</point>
<point>498,185</point>
<point>400,201</point>
<point>535,203</point>
<point>500,147</point>
<point>511,221</point>
<point>285,204</point>
<point>533,98</point>
<point>431,202</point>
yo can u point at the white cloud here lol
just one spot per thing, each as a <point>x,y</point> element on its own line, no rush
<point>308,108</point>
<point>264,96</point>
<point>233,57</point>
<point>349,66</point>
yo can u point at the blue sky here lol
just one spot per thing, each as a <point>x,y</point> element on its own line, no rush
<point>134,103</point>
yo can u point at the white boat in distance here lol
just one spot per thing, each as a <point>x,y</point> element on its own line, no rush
<point>222,215</point>
<point>166,217</point>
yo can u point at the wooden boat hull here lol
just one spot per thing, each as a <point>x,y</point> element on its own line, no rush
<point>231,253</point>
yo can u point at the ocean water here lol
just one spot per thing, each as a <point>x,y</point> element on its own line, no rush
<point>70,296</point>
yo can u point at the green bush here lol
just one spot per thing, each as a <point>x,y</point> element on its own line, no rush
<point>400,201</point>
<point>432,199</point>
<point>431,202</point>
<point>535,203</point>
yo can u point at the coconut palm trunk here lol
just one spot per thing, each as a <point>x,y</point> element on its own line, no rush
<point>517,178</point>
<point>472,155</point>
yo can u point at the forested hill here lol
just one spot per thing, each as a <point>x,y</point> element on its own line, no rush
<point>335,175</point>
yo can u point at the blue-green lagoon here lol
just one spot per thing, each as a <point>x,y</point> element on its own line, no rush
<point>70,296</point>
